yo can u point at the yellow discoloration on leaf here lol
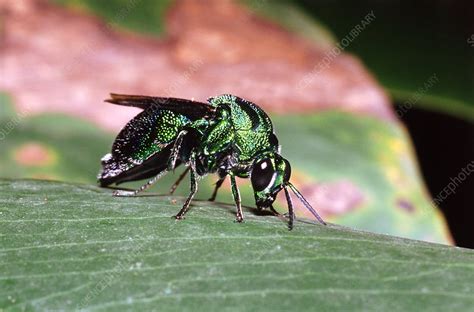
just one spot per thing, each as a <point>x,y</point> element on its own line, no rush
<point>397,146</point>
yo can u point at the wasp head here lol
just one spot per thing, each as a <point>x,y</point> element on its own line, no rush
<point>269,175</point>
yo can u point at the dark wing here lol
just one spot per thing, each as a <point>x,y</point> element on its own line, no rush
<point>141,150</point>
<point>191,109</point>
<point>151,167</point>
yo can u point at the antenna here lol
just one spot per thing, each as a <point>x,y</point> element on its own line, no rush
<point>305,202</point>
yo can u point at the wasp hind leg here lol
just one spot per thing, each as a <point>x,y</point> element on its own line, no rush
<point>123,193</point>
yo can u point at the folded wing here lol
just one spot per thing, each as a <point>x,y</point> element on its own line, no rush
<point>142,148</point>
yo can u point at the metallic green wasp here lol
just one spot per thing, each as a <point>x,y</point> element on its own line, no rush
<point>228,136</point>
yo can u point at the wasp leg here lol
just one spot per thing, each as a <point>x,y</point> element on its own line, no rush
<point>291,211</point>
<point>218,185</point>
<point>194,188</point>
<point>236,194</point>
<point>175,151</point>
<point>276,213</point>
<point>122,193</point>
<point>181,177</point>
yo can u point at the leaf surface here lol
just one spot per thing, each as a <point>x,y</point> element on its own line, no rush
<point>69,246</point>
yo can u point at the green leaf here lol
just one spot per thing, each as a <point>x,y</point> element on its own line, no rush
<point>293,18</point>
<point>61,148</point>
<point>68,246</point>
<point>6,109</point>
<point>411,52</point>
<point>376,158</point>
<point>144,16</point>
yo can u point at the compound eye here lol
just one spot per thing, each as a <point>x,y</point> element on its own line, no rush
<point>262,175</point>
<point>287,173</point>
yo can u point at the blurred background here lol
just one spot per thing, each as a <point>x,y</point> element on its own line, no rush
<point>373,101</point>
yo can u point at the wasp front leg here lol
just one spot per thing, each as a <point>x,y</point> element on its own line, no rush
<point>236,195</point>
<point>272,209</point>
<point>291,211</point>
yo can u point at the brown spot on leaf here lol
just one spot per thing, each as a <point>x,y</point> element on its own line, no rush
<point>405,205</point>
<point>33,154</point>
<point>212,47</point>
